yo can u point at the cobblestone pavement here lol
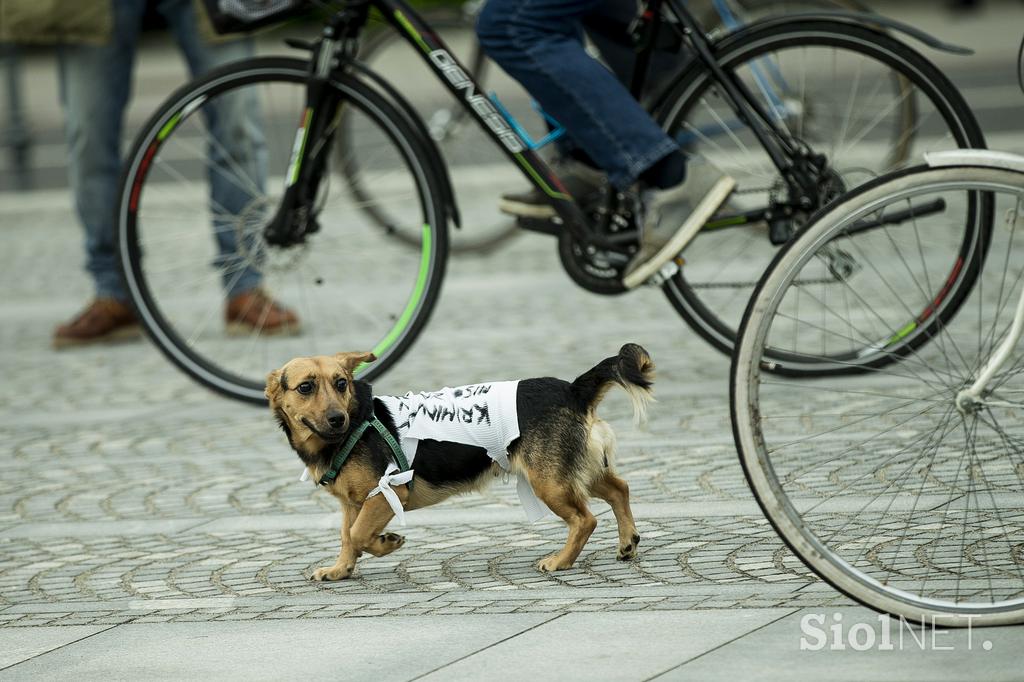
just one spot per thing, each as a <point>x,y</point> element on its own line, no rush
<point>128,494</point>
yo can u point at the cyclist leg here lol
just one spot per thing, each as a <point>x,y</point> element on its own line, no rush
<point>607,28</point>
<point>539,42</point>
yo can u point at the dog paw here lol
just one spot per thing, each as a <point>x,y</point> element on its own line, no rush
<point>392,540</point>
<point>553,563</point>
<point>628,551</point>
<point>385,544</point>
<point>331,573</point>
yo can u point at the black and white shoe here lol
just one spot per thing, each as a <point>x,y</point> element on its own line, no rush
<point>673,217</point>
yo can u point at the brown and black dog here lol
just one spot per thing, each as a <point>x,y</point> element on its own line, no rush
<point>565,450</point>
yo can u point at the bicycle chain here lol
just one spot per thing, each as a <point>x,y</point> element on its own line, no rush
<point>755,190</point>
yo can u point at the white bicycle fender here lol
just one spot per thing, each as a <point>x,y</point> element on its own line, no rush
<point>975,157</point>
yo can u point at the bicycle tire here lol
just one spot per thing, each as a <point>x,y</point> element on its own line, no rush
<point>783,487</point>
<point>472,239</point>
<point>755,10</point>
<point>764,8</point>
<point>718,326</point>
<point>392,126</point>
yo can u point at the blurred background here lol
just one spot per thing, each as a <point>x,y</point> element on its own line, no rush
<point>32,147</point>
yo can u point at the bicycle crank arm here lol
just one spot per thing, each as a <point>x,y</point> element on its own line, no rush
<point>541,225</point>
<point>737,220</point>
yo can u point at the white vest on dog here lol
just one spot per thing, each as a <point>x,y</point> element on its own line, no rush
<point>481,415</point>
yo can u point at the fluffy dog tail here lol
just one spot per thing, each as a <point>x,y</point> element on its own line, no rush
<point>632,369</point>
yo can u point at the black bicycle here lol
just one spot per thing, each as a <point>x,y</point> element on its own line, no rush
<point>465,146</point>
<point>797,109</point>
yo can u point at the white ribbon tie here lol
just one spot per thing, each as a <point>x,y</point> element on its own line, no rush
<point>389,479</point>
<point>534,508</point>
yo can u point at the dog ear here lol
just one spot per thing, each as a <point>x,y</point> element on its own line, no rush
<point>273,384</point>
<point>352,360</point>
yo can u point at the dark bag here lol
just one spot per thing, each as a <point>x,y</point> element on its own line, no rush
<point>231,16</point>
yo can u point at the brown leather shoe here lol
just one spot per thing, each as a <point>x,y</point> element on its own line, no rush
<point>105,320</point>
<point>255,312</point>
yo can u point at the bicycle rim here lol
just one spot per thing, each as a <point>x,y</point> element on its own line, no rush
<point>197,194</point>
<point>876,480</point>
<point>866,101</point>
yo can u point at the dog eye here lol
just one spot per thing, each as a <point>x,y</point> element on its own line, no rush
<point>341,385</point>
<point>305,388</point>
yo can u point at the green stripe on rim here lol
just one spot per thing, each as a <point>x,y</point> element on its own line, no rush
<point>901,334</point>
<point>168,127</point>
<point>413,303</point>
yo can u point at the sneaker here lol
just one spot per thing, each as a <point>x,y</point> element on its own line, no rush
<point>105,320</point>
<point>585,184</point>
<point>674,216</point>
<point>255,312</point>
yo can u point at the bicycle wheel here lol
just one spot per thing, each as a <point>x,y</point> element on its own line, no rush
<point>201,182</point>
<point>474,160</point>
<point>876,479</point>
<point>864,100</point>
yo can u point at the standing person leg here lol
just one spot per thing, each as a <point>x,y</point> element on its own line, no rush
<point>95,83</point>
<point>237,173</point>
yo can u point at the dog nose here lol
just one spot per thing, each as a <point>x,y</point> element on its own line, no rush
<point>336,420</point>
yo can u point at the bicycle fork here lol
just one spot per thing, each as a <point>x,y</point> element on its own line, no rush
<point>295,217</point>
<point>970,399</point>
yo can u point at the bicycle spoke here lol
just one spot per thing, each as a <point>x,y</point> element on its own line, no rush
<point>200,235</point>
<point>896,486</point>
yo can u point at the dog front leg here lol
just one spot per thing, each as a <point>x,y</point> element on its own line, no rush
<point>372,518</point>
<point>349,514</point>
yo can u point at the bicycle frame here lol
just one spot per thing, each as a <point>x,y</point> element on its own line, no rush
<point>775,140</point>
<point>969,397</point>
<point>468,92</point>
<point>343,31</point>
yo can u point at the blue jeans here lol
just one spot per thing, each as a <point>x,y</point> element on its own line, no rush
<point>540,44</point>
<point>95,84</point>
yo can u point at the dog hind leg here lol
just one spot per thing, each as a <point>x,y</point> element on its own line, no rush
<point>615,492</point>
<point>564,502</point>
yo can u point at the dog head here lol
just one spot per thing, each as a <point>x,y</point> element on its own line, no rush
<point>314,400</point>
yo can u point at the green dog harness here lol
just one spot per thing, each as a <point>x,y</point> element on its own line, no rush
<point>339,458</point>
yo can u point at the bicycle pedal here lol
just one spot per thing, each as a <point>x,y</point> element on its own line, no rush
<point>667,272</point>
<point>779,231</point>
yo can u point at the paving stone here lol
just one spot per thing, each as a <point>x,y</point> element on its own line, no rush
<point>147,490</point>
